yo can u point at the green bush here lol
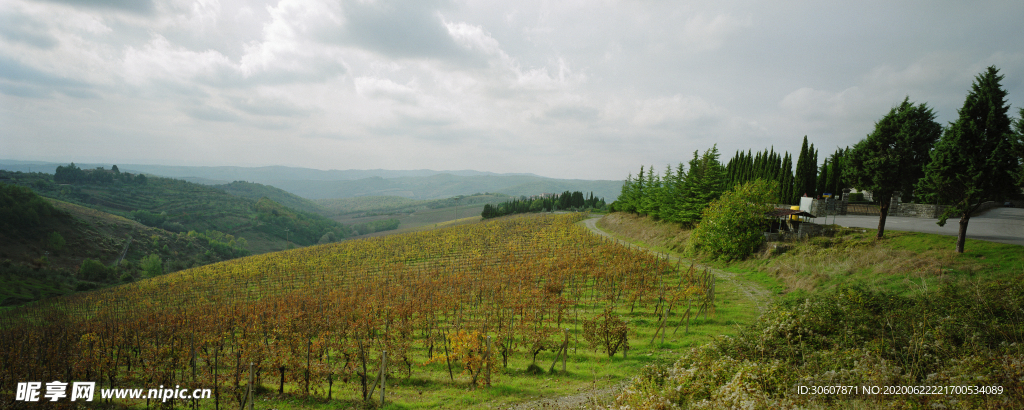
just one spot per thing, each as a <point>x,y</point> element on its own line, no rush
<point>94,270</point>
<point>152,265</point>
<point>733,226</point>
<point>55,242</point>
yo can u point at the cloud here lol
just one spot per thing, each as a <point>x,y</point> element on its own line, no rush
<point>373,87</point>
<point>578,113</point>
<point>24,29</point>
<point>28,81</point>
<point>398,29</point>
<point>264,106</point>
<point>675,111</point>
<point>701,33</point>
<point>208,113</point>
<point>161,60</point>
<point>142,7</point>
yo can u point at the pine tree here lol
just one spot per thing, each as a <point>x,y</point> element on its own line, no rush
<point>705,182</point>
<point>892,155</point>
<point>974,161</point>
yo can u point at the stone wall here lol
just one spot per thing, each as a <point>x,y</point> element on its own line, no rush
<point>919,210</point>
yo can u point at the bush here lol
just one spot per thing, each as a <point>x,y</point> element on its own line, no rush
<point>94,270</point>
<point>152,265</point>
<point>733,225</point>
<point>956,335</point>
<point>55,242</point>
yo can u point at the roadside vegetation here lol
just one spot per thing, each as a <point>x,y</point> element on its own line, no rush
<point>851,310</point>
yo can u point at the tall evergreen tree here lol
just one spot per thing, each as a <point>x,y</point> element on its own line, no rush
<point>893,154</point>
<point>705,182</point>
<point>974,162</point>
<point>821,186</point>
<point>1018,130</point>
<point>800,185</point>
<point>786,189</point>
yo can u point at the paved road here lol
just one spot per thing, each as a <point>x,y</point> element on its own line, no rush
<point>1005,225</point>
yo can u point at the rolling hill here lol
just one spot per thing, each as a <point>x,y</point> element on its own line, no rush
<point>180,206</point>
<point>320,184</point>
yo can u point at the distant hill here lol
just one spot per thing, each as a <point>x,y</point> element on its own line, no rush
<point>447,185</point>
<point>319,184</point>
<point>395,204</point>
<point>180,206</point>
<point>253,190</point>
<point>225,174</point>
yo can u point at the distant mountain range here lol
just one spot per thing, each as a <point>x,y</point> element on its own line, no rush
<point>319,184</point>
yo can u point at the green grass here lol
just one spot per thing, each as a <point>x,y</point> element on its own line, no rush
<point>902,262</point>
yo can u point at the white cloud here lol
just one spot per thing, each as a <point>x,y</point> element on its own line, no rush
<point>677,110</point>
<point>373,87</point>
<point>161,60</point>
<point>630,82</point>
<point>701,33</point>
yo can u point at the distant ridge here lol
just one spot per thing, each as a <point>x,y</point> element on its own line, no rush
<point>319,184</point>
<point>225,174</point>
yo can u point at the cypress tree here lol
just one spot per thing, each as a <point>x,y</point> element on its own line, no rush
<point>800,186</point>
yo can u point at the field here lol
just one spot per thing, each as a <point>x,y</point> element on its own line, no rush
<point>928,327</point>
<point>478,314</point>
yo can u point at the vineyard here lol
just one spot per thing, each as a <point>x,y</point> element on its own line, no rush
<point>320,319</point>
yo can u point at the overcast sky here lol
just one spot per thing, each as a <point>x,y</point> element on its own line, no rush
<point>564,89</point>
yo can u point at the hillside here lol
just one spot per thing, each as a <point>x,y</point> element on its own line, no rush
<point>253,190</point>
<point>180,206</point>
<point>42,256</point>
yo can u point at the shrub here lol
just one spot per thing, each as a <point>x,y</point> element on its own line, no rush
<point>732,226</point>
<point>606,332</point>
<point>55,242</point>
<point>93,270</point>
<point>152,265</point>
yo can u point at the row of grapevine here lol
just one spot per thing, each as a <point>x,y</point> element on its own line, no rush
<point>316,317</point>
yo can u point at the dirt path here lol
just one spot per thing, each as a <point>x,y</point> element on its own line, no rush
<point>755,292</point>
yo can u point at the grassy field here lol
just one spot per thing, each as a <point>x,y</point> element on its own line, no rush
<point>854,311</point>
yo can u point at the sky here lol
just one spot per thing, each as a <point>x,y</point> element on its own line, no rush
<point>563,89</point>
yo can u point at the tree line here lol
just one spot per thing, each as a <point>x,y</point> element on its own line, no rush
<point>565,201</point>
<point>977,158</point>
<point>72,174</point>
